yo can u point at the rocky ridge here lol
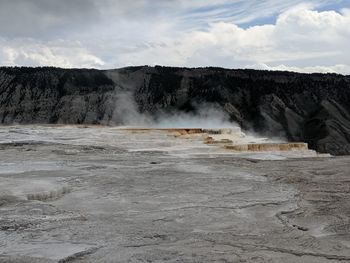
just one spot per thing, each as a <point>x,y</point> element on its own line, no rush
<point>312,108</point>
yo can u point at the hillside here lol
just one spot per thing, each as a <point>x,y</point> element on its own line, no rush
<point>314,108</point>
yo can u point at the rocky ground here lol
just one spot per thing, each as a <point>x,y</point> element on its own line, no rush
<point>75,194</point>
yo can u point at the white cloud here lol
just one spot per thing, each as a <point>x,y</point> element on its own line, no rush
<point>301,39</point>
<point>170,32</point>
<point>28,52</point>
<point>340,68</point>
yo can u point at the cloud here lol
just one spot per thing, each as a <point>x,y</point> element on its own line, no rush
<point>27,52</point>
<point>226,33</point>
<point>340,68</point>
<point>301,39</point>
<point>45,19</point>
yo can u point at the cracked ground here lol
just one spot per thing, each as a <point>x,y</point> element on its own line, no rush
<point>75,194</point>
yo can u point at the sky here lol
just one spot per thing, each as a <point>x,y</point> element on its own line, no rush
<point>294,35</point>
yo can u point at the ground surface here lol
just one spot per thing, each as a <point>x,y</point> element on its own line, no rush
<point>105,195</point>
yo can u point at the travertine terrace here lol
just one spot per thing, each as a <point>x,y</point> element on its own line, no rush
<point>98,194</point>
<point>234,139</point>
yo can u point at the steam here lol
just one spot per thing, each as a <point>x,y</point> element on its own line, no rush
<point>127,113</point>
<point>205,115</point>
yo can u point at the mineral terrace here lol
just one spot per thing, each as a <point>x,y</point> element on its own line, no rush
<point>101,194</point>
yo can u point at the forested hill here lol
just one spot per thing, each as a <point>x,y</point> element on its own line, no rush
<point>314,108</point>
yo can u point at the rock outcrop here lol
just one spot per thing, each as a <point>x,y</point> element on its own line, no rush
<point>266,147</point>
<point>314,108</point>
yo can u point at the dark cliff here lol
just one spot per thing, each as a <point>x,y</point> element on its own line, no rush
<point>314,108</point>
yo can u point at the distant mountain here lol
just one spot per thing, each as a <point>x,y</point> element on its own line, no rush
<point>314,108</point>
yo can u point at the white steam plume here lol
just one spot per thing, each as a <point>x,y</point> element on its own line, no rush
<point>126,113</point>
<point>207,116</point>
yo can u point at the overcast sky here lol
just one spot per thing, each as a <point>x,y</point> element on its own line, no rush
<point>305,36</point>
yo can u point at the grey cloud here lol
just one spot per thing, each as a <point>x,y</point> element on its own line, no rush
<point>42,18</point>
<point>117,33</point>
<point>45,19</point>
<point>58,18</point>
